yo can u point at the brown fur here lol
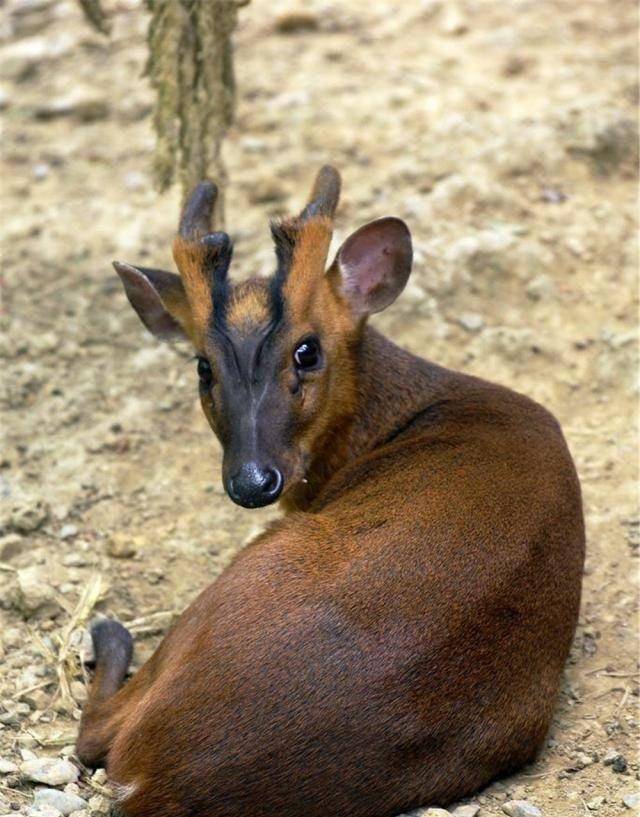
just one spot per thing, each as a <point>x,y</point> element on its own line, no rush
<point>398,638</point>
<point>190,260</point>
<point>309,259</point>
<point>248,307</point>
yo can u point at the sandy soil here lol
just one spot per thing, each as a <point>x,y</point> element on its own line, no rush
<point>504,133</point>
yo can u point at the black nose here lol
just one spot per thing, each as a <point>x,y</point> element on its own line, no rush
<point>254,485</point>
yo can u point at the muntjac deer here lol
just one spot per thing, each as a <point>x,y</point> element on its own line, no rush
<point>398,637</point>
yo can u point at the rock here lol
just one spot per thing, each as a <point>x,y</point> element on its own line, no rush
<point>453,23</point>
<point>7,766</point>
<point>51,771</point>
<point>75,559</point>
<point>68,531</point>
<point>41,170</point>
<point>121,546</point>
<point>617,761</point>
<point>44,342</point>
<point>11,545</point>
<point>521,808</point>
<point>99,803</point>
<point>580,762</point>
<point>433,812</point>
<point>253,145</point>
<point>82,106</point>
<point>134,180</point>
<point>64,802</point>
<point>470,810</point>
<point>34,595</point>
<point>28,515</point>
<point>540,288</point>
<point>24,56</point>
<point>619,765</point>
<point>471,321</point>
<point>99,777</point>
<point>632,801</point>
<point>596,803</point>
<point>606,138</point>
<point>293,22</point>
<point>514,65</point>
<point>43,811</point>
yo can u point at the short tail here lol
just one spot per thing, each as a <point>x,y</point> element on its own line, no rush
<point>113,648</point>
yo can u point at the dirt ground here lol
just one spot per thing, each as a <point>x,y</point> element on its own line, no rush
<point>503,133</point>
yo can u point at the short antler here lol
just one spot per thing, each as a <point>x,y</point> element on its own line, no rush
<point>324,195</point>
<point>196,220</point>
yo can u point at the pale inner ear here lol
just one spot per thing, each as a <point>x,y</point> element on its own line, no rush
<point>374,265</point>
<point>159,299</point>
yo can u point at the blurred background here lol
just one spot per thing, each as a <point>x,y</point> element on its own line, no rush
<point>504,133</point>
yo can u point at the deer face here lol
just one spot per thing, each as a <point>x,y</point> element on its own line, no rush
<point>276,358</point>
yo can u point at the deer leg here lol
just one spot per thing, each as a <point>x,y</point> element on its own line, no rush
<point>113,647</point>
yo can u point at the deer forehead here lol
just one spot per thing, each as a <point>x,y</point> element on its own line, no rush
<point>293,291</point>
<point>249,306</point>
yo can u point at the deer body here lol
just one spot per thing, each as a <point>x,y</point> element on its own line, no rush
<point>396,640</point>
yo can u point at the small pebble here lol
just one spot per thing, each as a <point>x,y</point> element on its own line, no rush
<point>454,24</point>
<point>120,546</point>
<point>632,801</point>
<point>41,170</point>
<point>471,321</point>
<point>292,22</point>
<point>7,766</point>
<point>99,777</point>
<point>68,531</point>
<point>28,515</point>
<point>617,762</point>
<point>470,810</point>
<point>521,808</point>
<point>134,180</point>
<point>99,803</point>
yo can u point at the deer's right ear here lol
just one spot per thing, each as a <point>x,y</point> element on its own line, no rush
<point>159,299</point>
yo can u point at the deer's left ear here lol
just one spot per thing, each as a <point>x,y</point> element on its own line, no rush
<point>373,265</point>
<point>159,299</point>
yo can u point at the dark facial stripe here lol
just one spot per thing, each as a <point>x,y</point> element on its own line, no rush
<point>219,251</point>
<point>284,235</point>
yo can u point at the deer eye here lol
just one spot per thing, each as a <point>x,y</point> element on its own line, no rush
<point>307,354</point>
<point>204,372</point>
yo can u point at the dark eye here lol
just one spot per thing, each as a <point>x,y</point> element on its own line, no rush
<point>307,355</point>
<point>204,372</point>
